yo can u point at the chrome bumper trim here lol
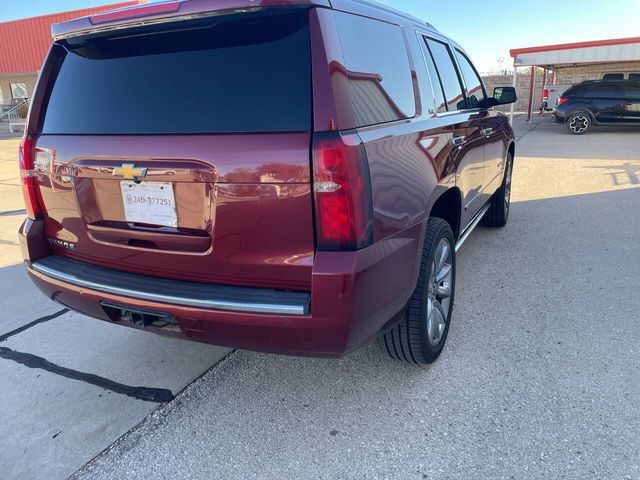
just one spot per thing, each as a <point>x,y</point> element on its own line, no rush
<point>212,304</point>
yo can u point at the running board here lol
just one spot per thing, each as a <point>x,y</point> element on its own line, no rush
<point>474,223</point>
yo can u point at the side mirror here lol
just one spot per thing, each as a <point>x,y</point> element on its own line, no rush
<point>504,95</point>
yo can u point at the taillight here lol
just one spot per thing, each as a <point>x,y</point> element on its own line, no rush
<point>545,94</point>
<point>342,192</point>
<point>561,100</point>
<point>30,187</point>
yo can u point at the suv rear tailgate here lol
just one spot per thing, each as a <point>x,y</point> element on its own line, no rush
<point>243,204</point>
<point>182,150</point>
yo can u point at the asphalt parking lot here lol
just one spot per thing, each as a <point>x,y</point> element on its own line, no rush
<point>540,377</point>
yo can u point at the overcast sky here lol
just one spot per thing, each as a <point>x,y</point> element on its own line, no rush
<point>486,29</point>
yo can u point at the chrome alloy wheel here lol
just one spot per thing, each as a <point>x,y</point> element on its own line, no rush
<point>579,123</point>
<point>439,291</point>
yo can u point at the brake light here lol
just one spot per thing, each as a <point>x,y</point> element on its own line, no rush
<point>545,94</point>
<point>30,187</point>
<point>561,100</point>
<point>342,192</point>
<point>134,12</point>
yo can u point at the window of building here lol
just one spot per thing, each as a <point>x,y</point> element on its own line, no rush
<point>19,90</point>
<point>474,87</point>
<point>377,64</point>
<point>448,75</point>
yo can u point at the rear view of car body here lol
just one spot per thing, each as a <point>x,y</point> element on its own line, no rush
<point>240,172</point>
<point>551,94</point>
<point>286,272</point>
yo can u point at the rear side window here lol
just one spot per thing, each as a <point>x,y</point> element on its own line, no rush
<point>635,77</point>
<point>238,73</point>
<point>378,70</point>
<point>474,88</point>
<point>440,104</point>
<point>632,91</point>
<point>576,92</point>
<point>448,75</point>
<point>604,91</point>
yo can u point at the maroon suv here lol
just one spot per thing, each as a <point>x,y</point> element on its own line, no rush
<point>282,176</point>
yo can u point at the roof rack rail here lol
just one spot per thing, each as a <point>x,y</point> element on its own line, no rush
<point>380,6</point>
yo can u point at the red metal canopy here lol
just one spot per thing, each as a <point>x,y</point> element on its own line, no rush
<point>25,42</point>
<point>571,46</point>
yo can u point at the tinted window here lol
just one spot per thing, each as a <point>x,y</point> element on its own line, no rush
<point>575,91</point>
<point>604,91</point>
<point>448,75</point>
<point>378,70</point>
<point>634,77</point>
<point>474,88</point>
<point>441,105</point>
<point>613,76</point>
<point>632,91</point>
<point>244,73</point>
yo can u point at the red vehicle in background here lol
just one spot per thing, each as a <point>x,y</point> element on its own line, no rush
<point>290,177</point>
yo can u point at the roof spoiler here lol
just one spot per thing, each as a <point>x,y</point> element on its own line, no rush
<point>148,14</point>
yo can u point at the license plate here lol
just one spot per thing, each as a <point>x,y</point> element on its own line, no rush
<point>149,202</point>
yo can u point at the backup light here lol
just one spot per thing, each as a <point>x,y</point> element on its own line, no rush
<point>342,192</point>
<point>30,186</point>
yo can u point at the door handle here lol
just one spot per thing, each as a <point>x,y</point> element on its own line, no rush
<point>458,141</point>
<point>486,131</point>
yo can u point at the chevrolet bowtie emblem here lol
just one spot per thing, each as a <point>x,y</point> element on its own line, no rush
<point>128,171</point>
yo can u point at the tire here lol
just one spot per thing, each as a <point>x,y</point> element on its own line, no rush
<point>419,338</point>
<point>579,123</point>
<point>498,213</point>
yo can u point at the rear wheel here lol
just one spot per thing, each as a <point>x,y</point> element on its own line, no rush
<point>498,212</point>
<point>579,123</point>
<point>422,333</point>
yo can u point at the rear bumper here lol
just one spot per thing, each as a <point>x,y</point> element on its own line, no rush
<point>354,294</point>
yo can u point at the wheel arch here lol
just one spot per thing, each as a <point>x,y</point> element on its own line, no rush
<point>448,207</point>
<point>579,109</point>
<point>511,149</point>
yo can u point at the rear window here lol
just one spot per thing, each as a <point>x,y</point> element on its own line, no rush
<point>237,73</point>
<point>575,91</point>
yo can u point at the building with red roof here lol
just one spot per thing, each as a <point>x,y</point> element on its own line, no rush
<point>24,44</point>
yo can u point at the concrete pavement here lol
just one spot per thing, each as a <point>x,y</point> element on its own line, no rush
<point>69,385</point>
<point>539,379</point>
